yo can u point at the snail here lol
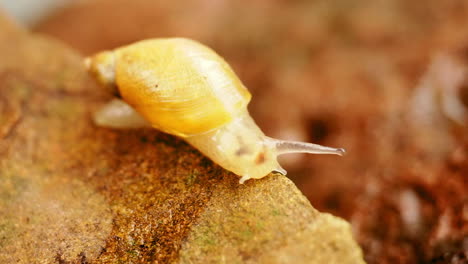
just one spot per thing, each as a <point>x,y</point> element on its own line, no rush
<point>183,88</point>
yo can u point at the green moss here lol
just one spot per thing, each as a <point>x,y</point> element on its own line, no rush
<point>192,178</point>
<point>260,225</point>
<point>276,212</point>
<point>206,239</point>
<point>246,234</point>
<point>132,252</point>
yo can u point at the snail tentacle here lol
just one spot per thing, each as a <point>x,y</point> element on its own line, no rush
<point>285,147</point>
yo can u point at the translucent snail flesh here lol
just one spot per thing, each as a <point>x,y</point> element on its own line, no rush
<point>184,88</point>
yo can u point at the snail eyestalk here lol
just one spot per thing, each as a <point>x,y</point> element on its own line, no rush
<point>285,147</point>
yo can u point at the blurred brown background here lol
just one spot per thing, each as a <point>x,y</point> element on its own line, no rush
<point>380,78</point>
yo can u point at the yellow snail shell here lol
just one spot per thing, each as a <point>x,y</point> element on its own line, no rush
<point>184,88</point>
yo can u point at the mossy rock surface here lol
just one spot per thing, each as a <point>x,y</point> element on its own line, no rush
<point>71,192</point>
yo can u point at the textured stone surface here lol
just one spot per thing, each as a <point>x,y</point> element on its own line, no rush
<point>267,221</point>
<point>71,192</point>
<point>372,88</point>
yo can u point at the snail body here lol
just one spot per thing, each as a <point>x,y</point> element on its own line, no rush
<point>183,88</point>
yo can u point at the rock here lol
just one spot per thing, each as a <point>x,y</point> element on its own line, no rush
<point>71,192</point>
<point>267,221</point>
